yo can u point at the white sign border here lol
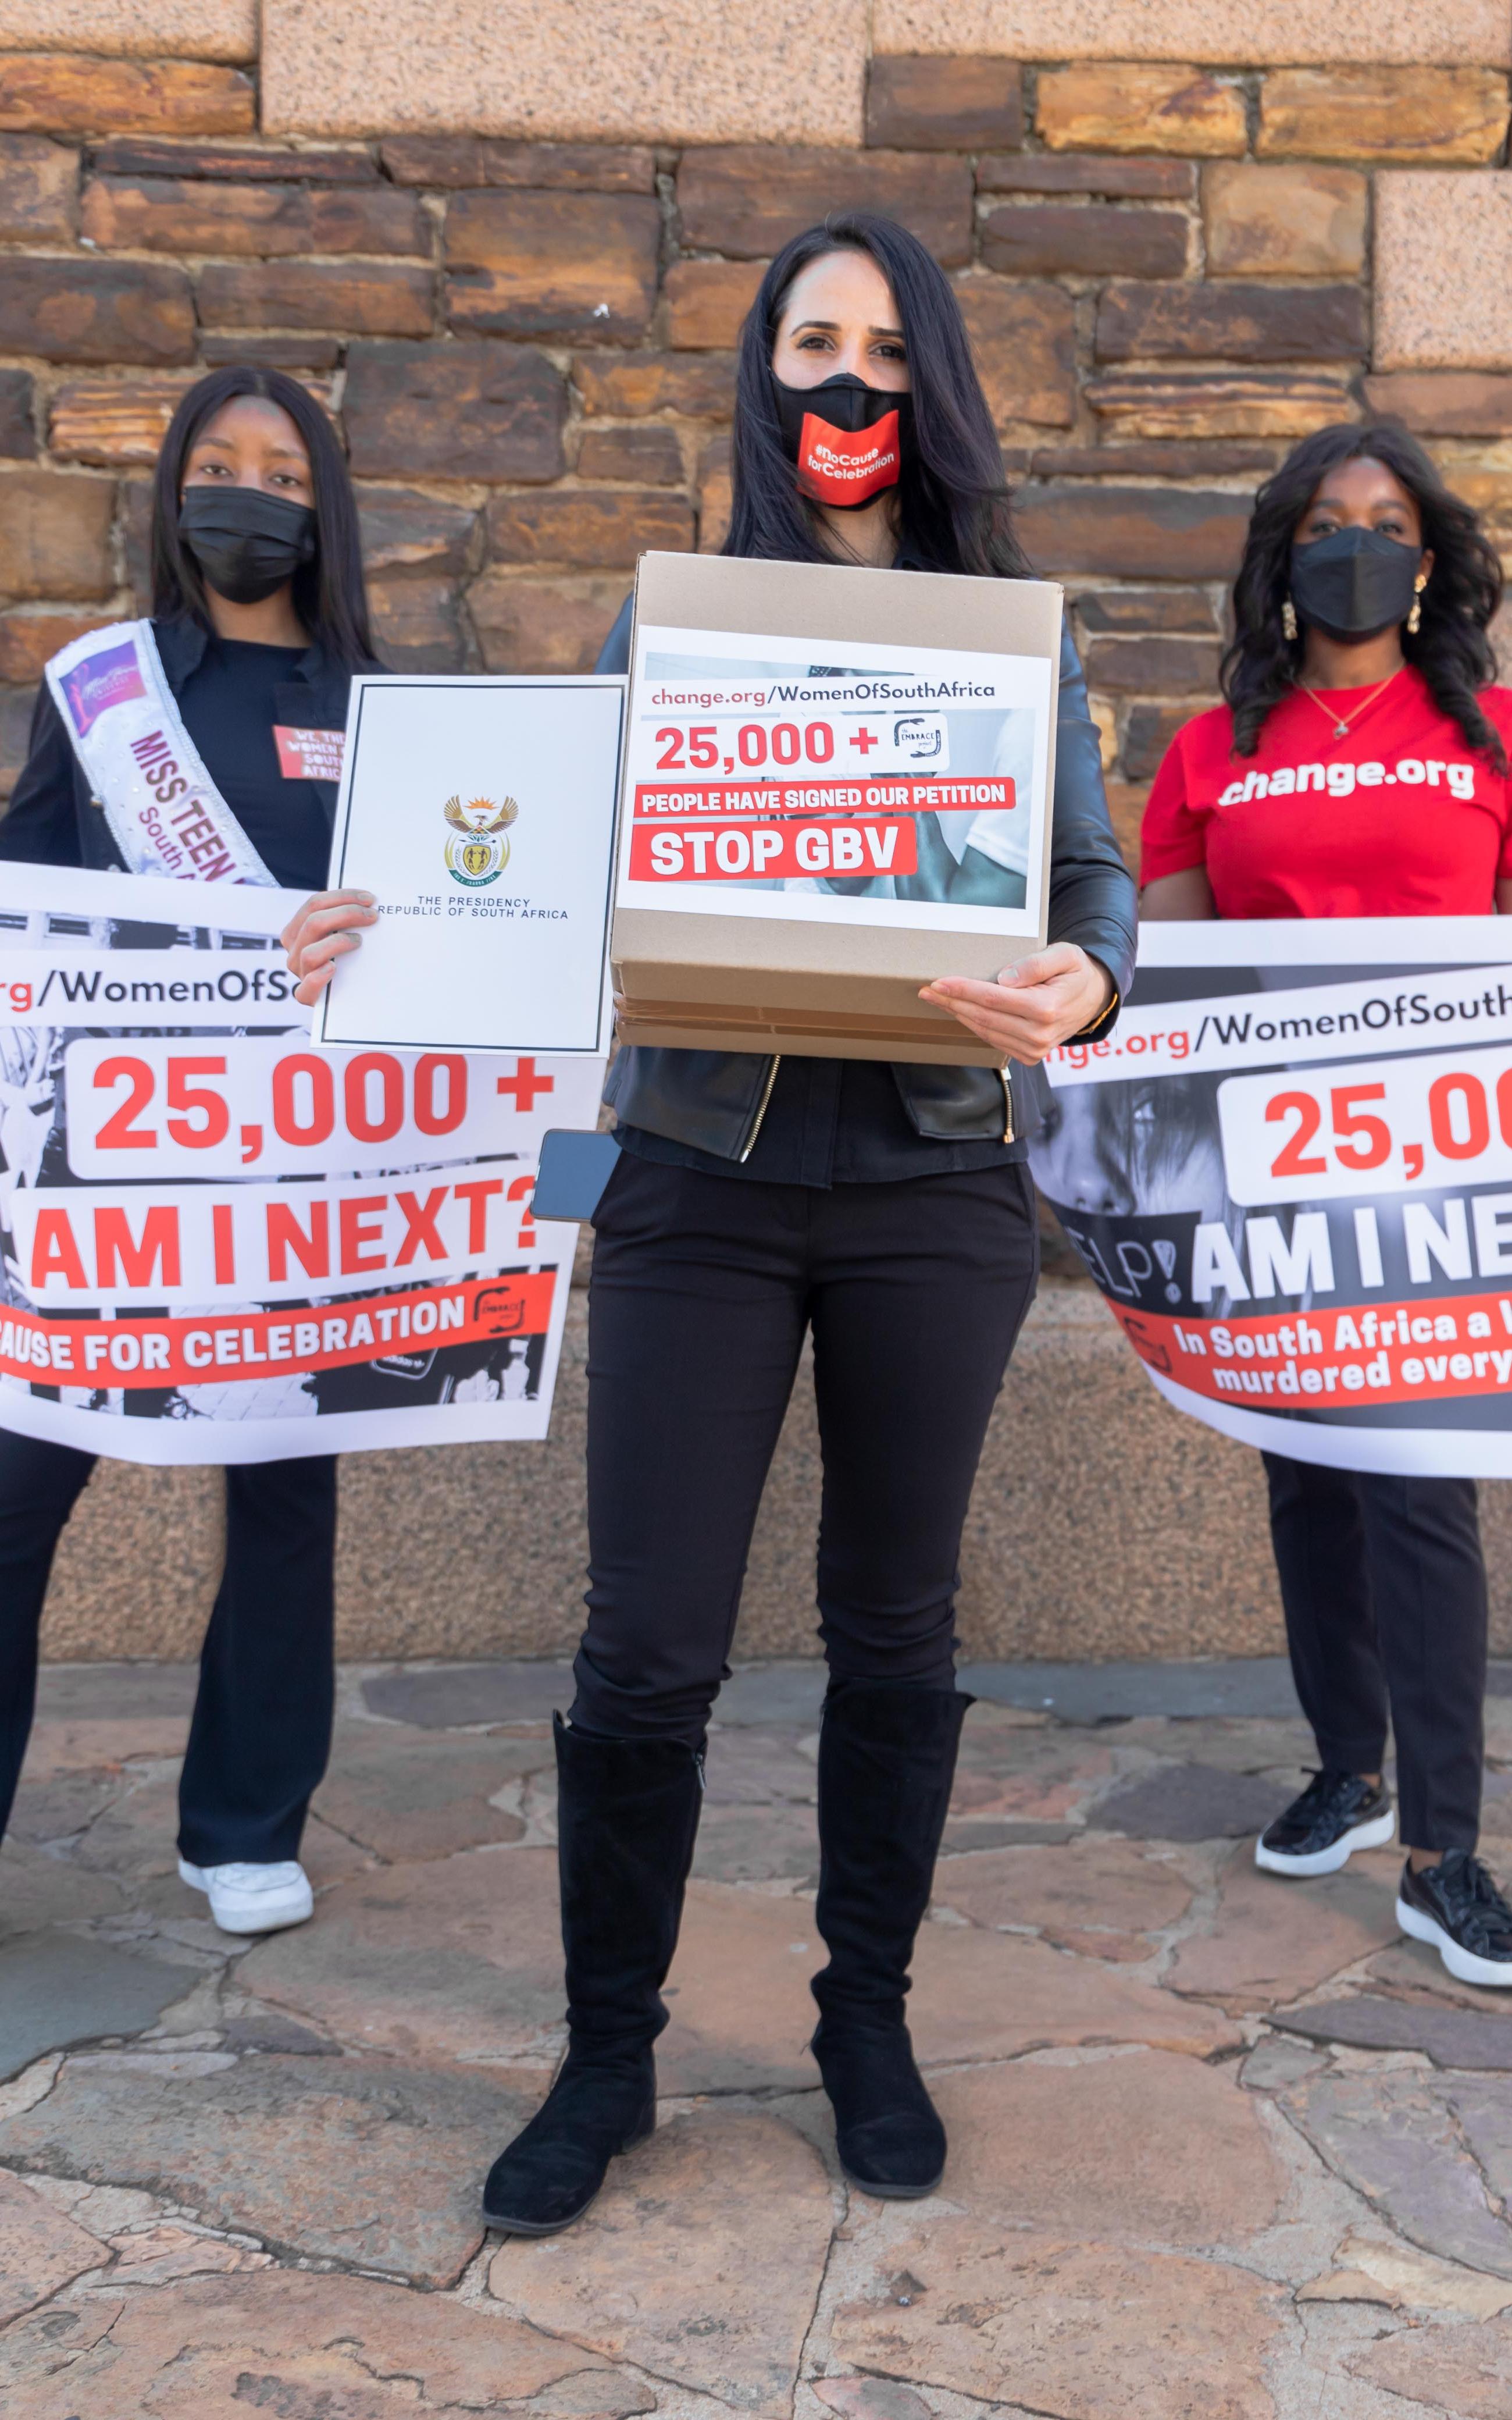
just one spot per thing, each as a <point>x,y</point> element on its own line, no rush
<point>1333,942</point>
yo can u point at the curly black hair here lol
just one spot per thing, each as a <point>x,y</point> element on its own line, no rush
<point>1451,649</point>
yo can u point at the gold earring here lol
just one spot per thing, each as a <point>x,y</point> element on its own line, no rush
<point>1289,621</point>
<point>1415,619</point>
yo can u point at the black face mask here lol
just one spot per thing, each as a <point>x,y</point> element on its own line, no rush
<point>245,542</point>
<point>1356,582</point>
<point>847,439</point>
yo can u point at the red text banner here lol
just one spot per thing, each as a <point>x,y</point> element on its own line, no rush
<point>163,1352</point>
<point>1394,1353</point>
<point>771,852</point>
<point>653,801</point>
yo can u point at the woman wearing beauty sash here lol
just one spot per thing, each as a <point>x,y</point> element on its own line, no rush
<point>205,744</point>
<point>886,1207</point>
<point>1361,768</point>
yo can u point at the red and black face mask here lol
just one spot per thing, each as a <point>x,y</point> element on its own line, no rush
<point>846,438</point>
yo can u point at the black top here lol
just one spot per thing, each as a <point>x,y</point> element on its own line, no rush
<point>832,1122</point>
<point>231,695</point>
<point>229,711</point>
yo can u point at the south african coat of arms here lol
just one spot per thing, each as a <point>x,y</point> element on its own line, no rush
<point>477,849</point>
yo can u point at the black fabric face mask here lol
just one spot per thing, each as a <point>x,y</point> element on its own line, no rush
<point>245,542</point>
<point>848,439</point>
<point>1356,582</point>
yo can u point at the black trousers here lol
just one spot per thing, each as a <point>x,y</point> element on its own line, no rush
<point>260,1736</point>
<point>702,1291</point>
<point>1384,1589</point>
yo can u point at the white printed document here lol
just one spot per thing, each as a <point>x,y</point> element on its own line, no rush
<point>481,813</point>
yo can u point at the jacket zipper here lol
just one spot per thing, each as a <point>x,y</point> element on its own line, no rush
<point>761,1110</point>
<point>1008,1103</point>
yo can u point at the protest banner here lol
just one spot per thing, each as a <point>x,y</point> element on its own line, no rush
<point>1290,1172</point>
<point>221,1244</point>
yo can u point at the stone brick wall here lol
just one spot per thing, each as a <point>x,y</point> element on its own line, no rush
<point>510,246</point>
<point>1168,269</point>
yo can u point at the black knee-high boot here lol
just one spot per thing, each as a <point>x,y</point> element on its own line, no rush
<point>886,1759</point>
<point>628,1813</point>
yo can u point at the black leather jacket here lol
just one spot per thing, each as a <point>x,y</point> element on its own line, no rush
<point>713,1099</point>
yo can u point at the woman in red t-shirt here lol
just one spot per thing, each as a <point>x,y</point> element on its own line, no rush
<point>1360,768</point>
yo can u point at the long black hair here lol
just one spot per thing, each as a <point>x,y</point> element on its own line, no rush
<point>330,595</point>
<point>953,511</point>
<point>1451,649</point>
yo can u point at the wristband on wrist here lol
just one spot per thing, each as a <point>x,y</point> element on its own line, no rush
<point>1090,1032</point>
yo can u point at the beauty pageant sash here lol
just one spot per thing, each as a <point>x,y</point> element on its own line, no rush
<point>144,770</point>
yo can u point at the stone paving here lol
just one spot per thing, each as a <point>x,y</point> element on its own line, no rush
<point>1223,2148</point>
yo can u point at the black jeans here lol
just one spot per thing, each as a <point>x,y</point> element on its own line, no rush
<point>701,1290</point>
<point>1384,1589</point>
<point>261,1731</point>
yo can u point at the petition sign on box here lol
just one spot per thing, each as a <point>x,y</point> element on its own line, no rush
<point>1290,1172</point>
<point>221,1244</point>
<point>836,782</point>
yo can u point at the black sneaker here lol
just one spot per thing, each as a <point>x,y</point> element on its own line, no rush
<point>1457,1909</point>
<point>1319,1832</point>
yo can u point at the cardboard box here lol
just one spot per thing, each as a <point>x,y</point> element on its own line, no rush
<point>795,726</point>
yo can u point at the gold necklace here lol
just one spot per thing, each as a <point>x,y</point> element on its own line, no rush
<point>1341,727</point>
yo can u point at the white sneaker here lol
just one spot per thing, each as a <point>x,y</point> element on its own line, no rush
<point>253,1898</point>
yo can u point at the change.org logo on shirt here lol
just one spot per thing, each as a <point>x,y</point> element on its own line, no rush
<point>1401,816</point>
<point>1454,774</point>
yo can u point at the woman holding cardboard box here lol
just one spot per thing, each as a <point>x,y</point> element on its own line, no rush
<point>888,1208</point>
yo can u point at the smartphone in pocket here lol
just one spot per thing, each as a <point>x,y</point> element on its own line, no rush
<point>575,1170</point>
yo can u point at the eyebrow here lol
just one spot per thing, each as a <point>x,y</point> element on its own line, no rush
<point>1391,503</point>
<point>276,453</point>
<point>832,325</point>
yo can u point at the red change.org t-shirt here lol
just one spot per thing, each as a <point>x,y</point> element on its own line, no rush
<point>1397,819</point>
